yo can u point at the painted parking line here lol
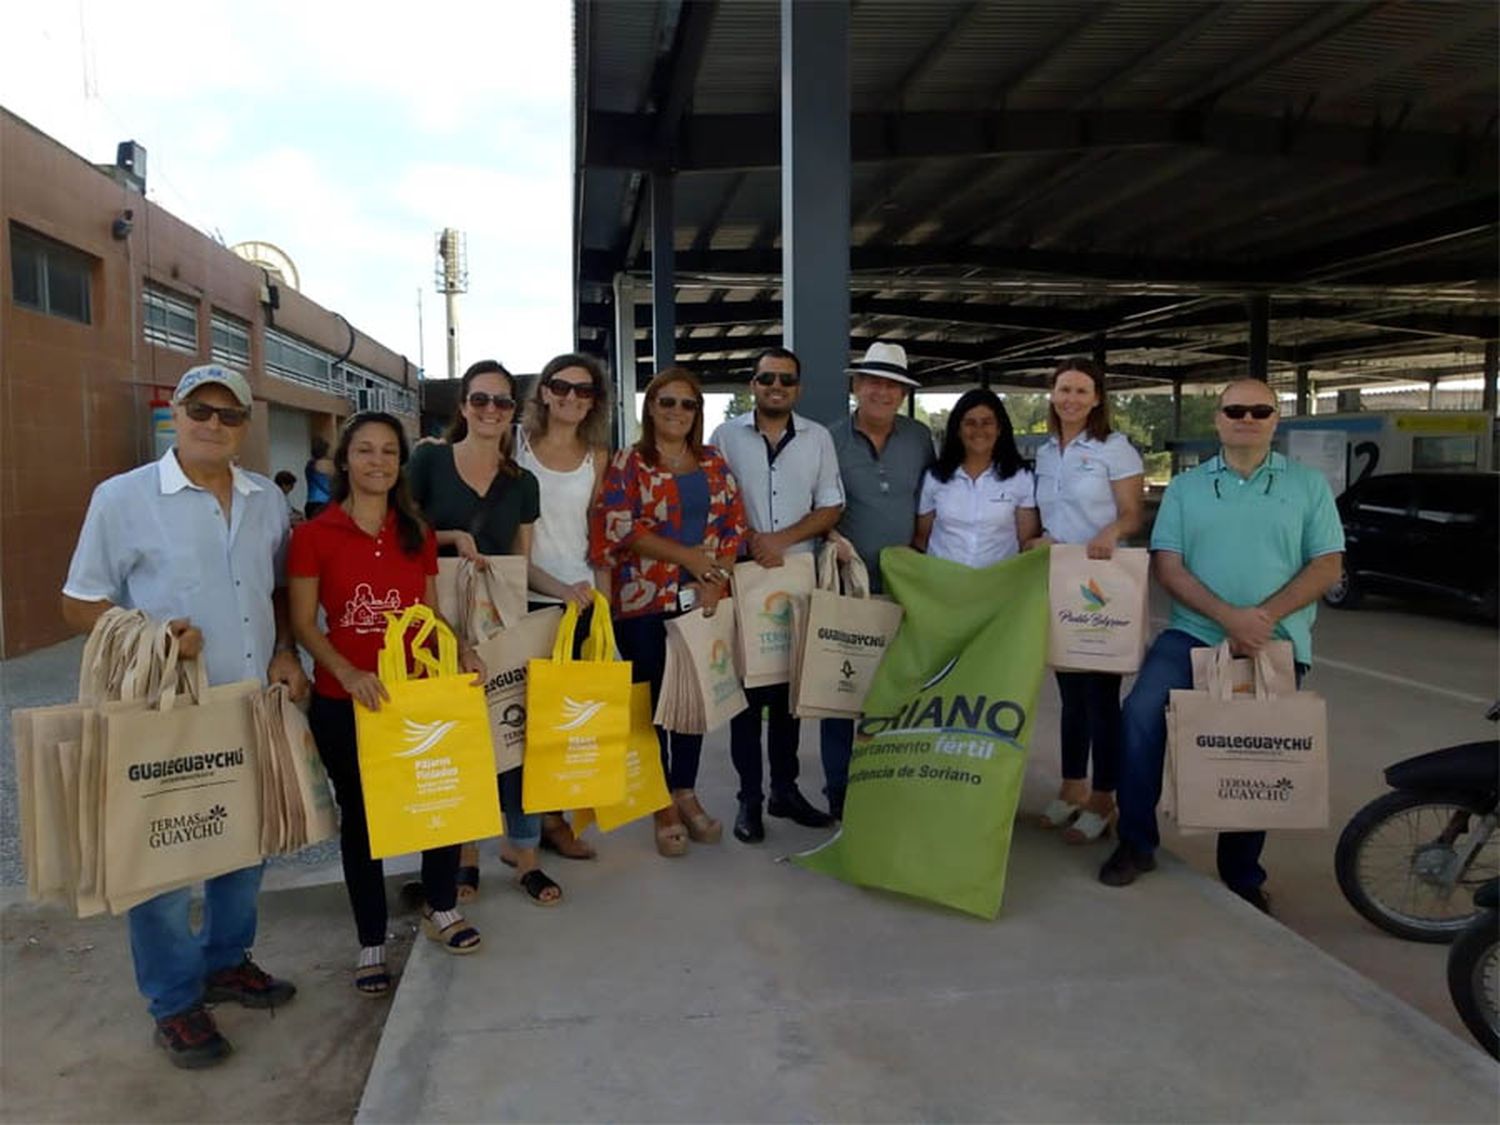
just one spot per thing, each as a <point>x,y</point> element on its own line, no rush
<point>1385,677</point>
<point>1404,681</point>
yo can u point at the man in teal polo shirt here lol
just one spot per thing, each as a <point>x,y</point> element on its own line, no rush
<point>1245,544</point>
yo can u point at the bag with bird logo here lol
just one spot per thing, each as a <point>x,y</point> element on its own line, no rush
<point>577,720</point>
<point>426,760</point>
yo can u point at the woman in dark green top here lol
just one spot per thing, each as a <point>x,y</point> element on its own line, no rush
<point>480,502</point>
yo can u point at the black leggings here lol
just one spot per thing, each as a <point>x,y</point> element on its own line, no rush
<point>1091,720</point>
<point>332,722</point>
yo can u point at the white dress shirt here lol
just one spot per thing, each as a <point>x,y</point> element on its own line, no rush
<point>1073,485</point>
<point>154,541</point>
<point>975,520</point>
<point>782,486</point>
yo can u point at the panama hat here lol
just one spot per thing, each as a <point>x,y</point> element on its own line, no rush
<point>885,361</point>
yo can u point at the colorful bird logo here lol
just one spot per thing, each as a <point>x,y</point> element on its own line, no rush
<point>778,609</point>
<point>718,658</point>
<point>1093,597</point>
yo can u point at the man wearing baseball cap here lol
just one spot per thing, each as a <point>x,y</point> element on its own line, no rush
<point>194,540</point>
<point>882,455</point>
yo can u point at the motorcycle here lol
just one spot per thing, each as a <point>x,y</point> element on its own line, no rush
<point>1411,860</point>
<point>1474,970</point>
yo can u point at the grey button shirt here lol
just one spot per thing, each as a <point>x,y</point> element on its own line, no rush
<point>881,490</point>
<point>782,487</point>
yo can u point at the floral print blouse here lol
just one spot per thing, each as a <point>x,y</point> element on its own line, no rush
<point>637,498</point>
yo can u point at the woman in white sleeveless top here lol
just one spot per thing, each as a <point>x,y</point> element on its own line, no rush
<point>564,444</point>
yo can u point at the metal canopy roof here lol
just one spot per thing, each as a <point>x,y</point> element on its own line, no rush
<point>1034,178</point>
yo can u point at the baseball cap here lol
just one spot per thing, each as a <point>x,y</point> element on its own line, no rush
<point>201,376</point>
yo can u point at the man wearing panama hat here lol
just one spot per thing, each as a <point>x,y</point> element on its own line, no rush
<point>882,456</point>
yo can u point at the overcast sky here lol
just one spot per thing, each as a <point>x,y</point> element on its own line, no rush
<point>347,134</point>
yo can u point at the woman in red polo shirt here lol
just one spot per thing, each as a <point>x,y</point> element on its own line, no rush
<point>366,553</point>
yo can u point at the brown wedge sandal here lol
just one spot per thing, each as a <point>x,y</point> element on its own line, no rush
<point>671,838</point>
<point>701,828</point>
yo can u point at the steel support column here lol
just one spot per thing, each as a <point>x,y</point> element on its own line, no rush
<point>623,341</point>
<point>663,275</point>
<point>1304,390</point>
<point>815,199</point>
<point>1491,373</point>
<point>1176,422</point>
<point>1258,310</point>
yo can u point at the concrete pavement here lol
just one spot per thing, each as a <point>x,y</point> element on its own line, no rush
<point>729,987</point>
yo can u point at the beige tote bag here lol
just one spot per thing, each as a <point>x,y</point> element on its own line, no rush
<point>1097,609</point>
<point>474,602</point>
<point>1248,762</point>
<point>841,640</point>
<point>763,599</point>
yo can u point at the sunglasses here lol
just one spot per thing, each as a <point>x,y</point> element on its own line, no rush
<point>667,402</point>
<point>562,389</point>
<point>1237,411</point>
<point>479,400</point>
<point>770,378</point>
<point>231,416</point>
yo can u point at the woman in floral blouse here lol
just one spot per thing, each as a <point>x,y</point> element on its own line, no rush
<point>668,525</point>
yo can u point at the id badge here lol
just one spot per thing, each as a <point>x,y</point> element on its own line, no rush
<point>687,598</point>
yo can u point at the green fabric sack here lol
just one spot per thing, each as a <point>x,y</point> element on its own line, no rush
<point>940,751</point>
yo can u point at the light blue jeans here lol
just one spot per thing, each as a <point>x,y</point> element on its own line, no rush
<point>171,961</point>
<point>522,829</point>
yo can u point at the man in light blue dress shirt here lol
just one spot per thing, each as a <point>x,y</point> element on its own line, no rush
<point>788,474</point>
<point>197,541</point>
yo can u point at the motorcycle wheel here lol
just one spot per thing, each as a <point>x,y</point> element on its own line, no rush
<point>1382,853</point>
<point>1474,979</point>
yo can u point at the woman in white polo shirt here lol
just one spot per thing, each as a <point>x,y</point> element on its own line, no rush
<point>978,501</point>
<point>1089,484</point>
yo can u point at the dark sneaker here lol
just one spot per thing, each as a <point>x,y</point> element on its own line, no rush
<point>1255,897</point>
<point>191,1039</point>
<point>1122,867</point>
<point>248,984</point>
<point>794,806</point>
<point>749,828</point>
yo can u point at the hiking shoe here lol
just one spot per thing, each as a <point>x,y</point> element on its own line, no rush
<point>248,984</point>
<point>1123,865</point>
<point>191,1039</point>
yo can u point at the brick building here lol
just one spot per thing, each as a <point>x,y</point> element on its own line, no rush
<point>105,299</point>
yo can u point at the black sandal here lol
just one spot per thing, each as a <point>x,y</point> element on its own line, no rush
<point>372,980</point>
<point>456,937</point>
<point>468,881</point>
<point>535,883</point>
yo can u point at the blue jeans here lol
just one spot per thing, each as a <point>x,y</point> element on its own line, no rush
<point>836,745</point>
<point>1143,753</point>
<point>171,961</point>
<point>522,829</point>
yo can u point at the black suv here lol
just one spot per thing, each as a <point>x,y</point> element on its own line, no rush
<point>1422,534</point>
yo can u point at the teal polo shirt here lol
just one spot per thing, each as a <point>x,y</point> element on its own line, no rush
<point>1247,537</point>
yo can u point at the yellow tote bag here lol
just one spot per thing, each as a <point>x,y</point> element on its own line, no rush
<point>577,720</point>
<point>645,783</point>
<point>426,760</point>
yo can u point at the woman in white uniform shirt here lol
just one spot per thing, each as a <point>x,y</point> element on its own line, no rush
<point>978,502</point>
<point>1089,486</point>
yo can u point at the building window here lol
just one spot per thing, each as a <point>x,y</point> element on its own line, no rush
<point>291,359</point>
<point>170,320</point>
<point>48,277</point>
<point>231,341</point>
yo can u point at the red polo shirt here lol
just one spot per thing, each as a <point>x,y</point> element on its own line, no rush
<point>360,576</point>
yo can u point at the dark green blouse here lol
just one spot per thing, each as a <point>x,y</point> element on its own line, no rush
<point>448,504</point>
